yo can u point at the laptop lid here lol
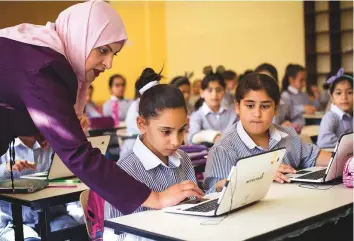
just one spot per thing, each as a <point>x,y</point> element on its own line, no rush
<point>249,180</point>
<point>59,170</point>
<point>342,152</point>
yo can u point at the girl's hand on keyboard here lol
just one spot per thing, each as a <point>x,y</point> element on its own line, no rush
<point>178,192</point>
<point>283,168</point>
<point>21,165</point>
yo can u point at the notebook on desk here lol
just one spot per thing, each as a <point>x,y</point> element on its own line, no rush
<point>248,182</point>
<point>58,170</point>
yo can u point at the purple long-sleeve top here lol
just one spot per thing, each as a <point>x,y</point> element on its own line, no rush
<point>37,94</point>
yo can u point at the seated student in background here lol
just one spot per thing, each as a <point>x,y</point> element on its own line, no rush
<point>293,82</point>
<point>91,110</point>
<point>317,96</point>
<point>195,94</point>
<point>183,84</point>
<point>257,98</point>
<point>30,157</point>
<point>117,85</point>
<point>283,113</point>
<point>230,78</point>
<point>155,159</point>
<point>208,122</point>
<point>339,120</point>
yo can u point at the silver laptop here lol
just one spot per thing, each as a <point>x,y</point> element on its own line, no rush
<point>341,153</point>
<point>58,169</point>
<point>248,182</point>
<point>22,185</point>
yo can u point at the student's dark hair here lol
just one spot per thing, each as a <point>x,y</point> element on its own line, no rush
<point>111,79</point>
<point>291,71</point>
<point>268,68</point>
<point>181,80</point>
<point>309,89</point>
<point>248,71</point>
<point>255,81</point>
<point>339,80</point>
<point>159,97</point>
<point>210,76</point>
<point>229,75</point>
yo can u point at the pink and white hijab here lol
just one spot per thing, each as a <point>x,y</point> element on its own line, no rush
<point>77,30</point>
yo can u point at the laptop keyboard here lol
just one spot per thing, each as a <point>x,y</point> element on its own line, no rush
<point>314,175</point>
<point>204,207</point>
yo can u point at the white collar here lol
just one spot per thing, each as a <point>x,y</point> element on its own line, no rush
<point>149,159</point>
<point>18,142</point>
<point>206,110</point>
<point>339,111</point>
<point>293,90</point>
<point>274,134</point>
<point>116,98</point>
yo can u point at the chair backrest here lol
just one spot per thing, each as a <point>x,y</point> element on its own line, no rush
<point>83,201</point>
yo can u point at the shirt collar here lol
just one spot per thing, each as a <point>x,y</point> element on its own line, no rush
<point>116,98</point>
<point>274,134</point>
<point>339,111</point>
<point>206,110</point>
<point>293,90</point>
<point>149,159</point>
<point>18,142</point>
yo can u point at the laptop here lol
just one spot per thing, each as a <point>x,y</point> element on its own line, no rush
<point>58,170</point>
<point>248,182</point>
<point>341,153</point>
<point>22,185</point>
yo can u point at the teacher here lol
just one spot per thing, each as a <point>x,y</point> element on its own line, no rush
<point>44,74</point>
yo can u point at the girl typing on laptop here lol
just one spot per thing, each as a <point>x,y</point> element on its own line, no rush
<point>257,98</point>
<point>155,159</point>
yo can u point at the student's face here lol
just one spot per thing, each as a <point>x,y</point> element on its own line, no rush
<point>256,111</point>
<point>196,87</point>
<point>343,96</point>
<point>100,59</point>
<point>118,87</point>
<point>186,91</point>
<point>165,133</point>
<point>231,84</point>
<point>213,95</point>
<point>299,81</point>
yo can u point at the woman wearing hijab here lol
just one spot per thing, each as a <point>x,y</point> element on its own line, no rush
<point>44,72</point>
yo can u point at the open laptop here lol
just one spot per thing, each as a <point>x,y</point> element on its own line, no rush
<point>58,170</point>
<point>248,182</point>
<point>341,153</point>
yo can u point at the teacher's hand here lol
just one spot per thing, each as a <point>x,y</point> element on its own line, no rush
<point>173,195</point>
<point>84,122</point>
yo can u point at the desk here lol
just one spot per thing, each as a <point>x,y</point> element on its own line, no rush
<point>41,201</point>
<point>313,119</point>
<point>286,209</point>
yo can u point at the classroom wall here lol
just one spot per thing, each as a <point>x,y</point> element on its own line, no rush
<point>36,12</point>
<point>145,26</point>
<point>239,35</point>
